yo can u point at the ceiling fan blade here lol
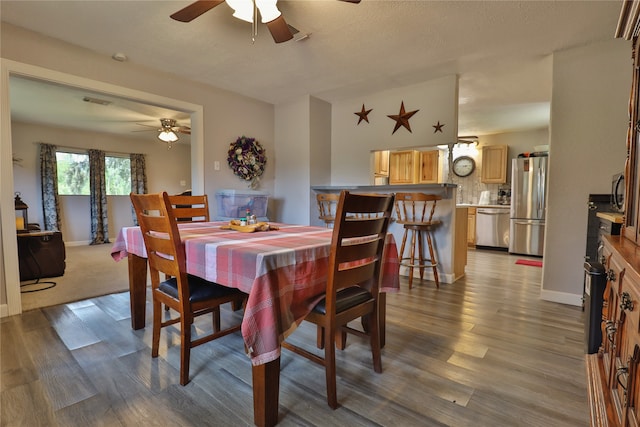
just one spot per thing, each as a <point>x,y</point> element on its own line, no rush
<point>279,30</point>
<point>351,1</point>
<point>194,10</point>
<point>183,129</point>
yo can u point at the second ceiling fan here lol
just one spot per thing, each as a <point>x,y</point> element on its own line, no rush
<point>247,11</point>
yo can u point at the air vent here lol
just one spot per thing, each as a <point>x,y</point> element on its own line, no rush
<point>96,100</point>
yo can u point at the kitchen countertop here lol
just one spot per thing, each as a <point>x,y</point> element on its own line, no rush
<point>615,217</point>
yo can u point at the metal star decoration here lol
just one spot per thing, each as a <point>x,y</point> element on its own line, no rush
<point>402,119</point>
<point>438,127</point>
<point>363,114</point>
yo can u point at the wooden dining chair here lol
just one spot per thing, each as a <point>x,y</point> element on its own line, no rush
<point>188,295</point>
<point>190,208</point>
<point>327,206</point>
<point>353,281</point>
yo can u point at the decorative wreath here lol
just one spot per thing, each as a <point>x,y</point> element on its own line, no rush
<point>247,159</point>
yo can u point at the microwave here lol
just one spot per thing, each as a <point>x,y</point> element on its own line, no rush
<point>617,192</point>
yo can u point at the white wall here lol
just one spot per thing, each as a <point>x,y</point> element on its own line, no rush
<point>293,165</point>
<point>588,129</point>
<point>165,170</point>
<point>351,143</point>
<point>320,153</point>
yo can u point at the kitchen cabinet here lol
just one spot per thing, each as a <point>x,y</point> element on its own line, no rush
<point>494,164</point>
<point>471,227</point>
<point>402,168</point>
<point>381,163</point>
<point>429,167</point>
<point>414,167</point>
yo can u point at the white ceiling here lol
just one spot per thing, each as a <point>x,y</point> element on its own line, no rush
<point>500,49</point>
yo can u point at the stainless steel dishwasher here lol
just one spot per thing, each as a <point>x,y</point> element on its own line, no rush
<point>492,227</point>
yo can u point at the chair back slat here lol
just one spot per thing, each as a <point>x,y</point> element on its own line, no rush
<point>362,275</point>
<point>357,242</point>
<point>359,226</point>
<point>360,251</point>
<point>190,208</point>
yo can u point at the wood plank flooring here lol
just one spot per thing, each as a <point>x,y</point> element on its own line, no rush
<point>485,351</point>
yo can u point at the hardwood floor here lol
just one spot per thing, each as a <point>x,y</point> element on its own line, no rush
<point>485,351</point>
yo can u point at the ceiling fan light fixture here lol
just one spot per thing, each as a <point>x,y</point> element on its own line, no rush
<point>243,9</point>
<point>268,10</point>
<point>167,136</point>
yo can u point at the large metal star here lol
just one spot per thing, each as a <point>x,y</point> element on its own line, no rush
<point>402,119</point>
<point>363,114</point>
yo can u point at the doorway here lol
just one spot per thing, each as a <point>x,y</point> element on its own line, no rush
<point>9,267</point>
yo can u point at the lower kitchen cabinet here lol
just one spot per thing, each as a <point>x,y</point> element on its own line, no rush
<point>471,227</point>
<point>613,377</point>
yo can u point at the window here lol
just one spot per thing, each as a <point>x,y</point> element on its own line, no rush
<point>118,175</point>
<point>73,174</point>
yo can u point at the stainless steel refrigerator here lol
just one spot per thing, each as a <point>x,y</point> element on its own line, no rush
<point>528,205</point>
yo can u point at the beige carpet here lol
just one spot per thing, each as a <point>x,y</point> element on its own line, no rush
<point>90,271</point>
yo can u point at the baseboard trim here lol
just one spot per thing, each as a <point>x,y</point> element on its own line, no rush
<point>4,310</point>
<point>87,242</point>
<point>428,274</point>
<point>561,297</point>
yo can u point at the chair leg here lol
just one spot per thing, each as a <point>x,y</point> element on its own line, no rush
<point>330,367</point>
<point>421,255</point>
<point>320,337</point>
<point>412,257</point>
<point>434,261</point>
<point>185,347</point>
<point>157,319</point>
<point>216,319</point>
<point>374,324</point>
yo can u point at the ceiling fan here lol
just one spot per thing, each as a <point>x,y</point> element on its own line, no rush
<point>246,10</point>
<point>169,130</point>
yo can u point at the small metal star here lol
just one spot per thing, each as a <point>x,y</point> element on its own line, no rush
<point>402,119</point>
<point>438,127</point>
<point>363,114</point>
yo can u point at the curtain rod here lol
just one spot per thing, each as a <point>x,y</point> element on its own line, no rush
<point>83,149</point>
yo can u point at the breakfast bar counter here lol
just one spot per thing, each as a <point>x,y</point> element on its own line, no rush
<point>450,238</point>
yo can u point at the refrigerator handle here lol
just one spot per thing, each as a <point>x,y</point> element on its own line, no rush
<point>540,189</point>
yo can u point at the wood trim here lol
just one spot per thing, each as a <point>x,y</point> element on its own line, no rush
<point>597,393</point>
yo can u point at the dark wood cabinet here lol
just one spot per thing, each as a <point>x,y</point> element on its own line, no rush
<point>613,374</point>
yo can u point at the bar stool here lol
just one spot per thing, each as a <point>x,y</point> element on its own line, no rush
<point>415,212</point>
<point>327,204</point>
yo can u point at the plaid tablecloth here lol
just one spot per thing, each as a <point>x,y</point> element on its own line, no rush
<point>283,271</point>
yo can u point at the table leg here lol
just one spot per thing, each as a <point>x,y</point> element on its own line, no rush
<point>137,289</point>
<point>266,388</point>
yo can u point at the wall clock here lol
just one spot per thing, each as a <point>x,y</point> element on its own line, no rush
<point>464,166</point>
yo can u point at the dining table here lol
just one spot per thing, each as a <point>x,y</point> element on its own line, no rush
<point>283,271</point>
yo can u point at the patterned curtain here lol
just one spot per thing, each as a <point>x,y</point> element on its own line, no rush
<point>98,198</point>
<point>138,179</point>
<point>49,178</point>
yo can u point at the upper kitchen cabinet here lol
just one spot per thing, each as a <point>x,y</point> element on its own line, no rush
<point>494,164</point>
<point>402,169</point>
<point>381,163</point>
<point>428,172</point>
